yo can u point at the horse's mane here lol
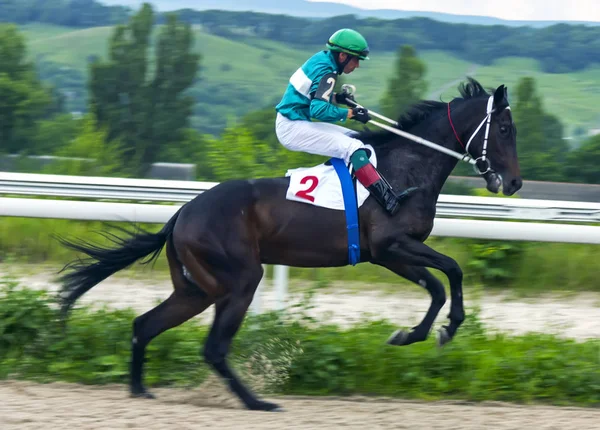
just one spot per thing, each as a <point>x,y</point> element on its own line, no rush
<point>424,109</point>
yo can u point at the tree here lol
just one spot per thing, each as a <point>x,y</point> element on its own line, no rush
<point>23,99</point>
<point>90,152</point>
<point>144,107</point>
<point>582,163</point>
<point>540,143</point>
<point>76,13</point>
<point>554,137</point>
<point>261,123</point>
<point>239,155</point>
<point>55,133</point>
<point>407,84</point>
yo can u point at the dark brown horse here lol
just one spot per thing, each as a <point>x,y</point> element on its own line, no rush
<point>216,244</point>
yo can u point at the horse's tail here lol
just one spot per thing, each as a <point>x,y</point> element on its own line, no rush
<point>103,262</point>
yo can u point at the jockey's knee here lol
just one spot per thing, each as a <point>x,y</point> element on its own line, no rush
<point>361,152</point>
<point>358,149</point>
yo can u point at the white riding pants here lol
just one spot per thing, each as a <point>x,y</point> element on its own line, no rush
<point>318,138</point>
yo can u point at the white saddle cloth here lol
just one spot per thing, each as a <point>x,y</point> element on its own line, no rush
<point>320,185</point>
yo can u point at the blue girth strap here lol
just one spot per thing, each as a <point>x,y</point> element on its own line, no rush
<point>351,209</point>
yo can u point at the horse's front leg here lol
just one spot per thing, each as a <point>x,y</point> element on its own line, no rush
<point>422,277</point>
<point>409,251</point>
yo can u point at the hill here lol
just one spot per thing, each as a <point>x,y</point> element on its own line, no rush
<point>303,8</point>
<point>242,75</point>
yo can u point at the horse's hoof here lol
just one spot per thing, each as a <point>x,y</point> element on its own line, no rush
<point>142,395</point>
<point>398,338</point>
<point>265,406</point>
<point>443,337</point>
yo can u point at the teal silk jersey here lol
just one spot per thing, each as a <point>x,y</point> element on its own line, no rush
<point>302,101</point>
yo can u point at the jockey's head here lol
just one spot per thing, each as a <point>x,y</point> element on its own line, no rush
<point>349,47</point>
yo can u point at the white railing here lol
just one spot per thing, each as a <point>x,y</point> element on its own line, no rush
<point>100,188</point>
<point>152,213</point>
<point>183,191</point>
<point>524,209</point>
<point>93,187</point>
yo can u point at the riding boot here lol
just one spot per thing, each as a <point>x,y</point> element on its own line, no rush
<point>376,184</point>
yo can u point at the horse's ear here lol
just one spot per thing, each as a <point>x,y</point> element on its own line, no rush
<point>500,96</point>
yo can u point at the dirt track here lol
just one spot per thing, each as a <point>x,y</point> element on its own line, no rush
<point>65,406</point>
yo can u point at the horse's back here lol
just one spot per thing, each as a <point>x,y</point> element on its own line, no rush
<point>227,202</point>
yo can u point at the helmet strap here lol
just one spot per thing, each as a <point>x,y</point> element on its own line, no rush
<point>342,66</point>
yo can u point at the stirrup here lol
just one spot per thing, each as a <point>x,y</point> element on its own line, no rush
<point>380,188</point>
<point>387,198</point>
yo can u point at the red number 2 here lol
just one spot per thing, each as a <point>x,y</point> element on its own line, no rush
<point>304,194</point>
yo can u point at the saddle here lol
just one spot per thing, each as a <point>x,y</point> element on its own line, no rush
<point>332,185</point>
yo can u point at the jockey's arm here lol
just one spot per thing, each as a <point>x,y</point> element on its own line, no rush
<point>321,107</point>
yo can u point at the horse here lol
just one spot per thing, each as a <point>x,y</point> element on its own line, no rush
<point>217,243</point>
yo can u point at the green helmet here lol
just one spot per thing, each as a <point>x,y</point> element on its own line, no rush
<point>349,41</point>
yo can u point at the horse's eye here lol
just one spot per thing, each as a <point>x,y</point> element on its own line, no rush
<point>503,129</point>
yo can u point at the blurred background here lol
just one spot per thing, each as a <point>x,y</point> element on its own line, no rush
<point>185,90</point>
<point>86,80</point>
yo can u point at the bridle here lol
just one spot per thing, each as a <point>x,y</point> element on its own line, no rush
<point>482,164</point>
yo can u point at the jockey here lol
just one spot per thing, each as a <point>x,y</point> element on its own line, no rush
<point>309,95</point>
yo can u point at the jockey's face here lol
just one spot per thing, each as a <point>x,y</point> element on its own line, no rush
<point>352,64</point>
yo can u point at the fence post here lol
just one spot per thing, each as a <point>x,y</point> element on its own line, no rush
<point>280,278</point>
<point>256,305</point>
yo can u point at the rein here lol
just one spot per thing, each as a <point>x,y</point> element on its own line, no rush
<point>482,164</point>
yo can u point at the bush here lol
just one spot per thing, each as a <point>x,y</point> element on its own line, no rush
<point>290,353</point>
<point>494,263</point>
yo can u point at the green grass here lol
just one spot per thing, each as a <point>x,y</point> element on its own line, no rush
<point>260,64</point>
<point>69,47</point>
<point>263,63</point>
<point>33,241</point>
<point>291,354</point>
<point>261,68</point>
<point>36,32</point>
<point>526,269</point>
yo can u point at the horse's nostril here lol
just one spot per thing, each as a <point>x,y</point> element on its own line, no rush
<point>516,183</point>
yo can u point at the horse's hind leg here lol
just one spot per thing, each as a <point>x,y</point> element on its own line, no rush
<point>229,315</point>
<point>424,278</point>
<point>184,303</point>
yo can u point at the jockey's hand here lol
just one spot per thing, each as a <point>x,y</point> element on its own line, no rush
<point>361,114</point>
<point>342,99</point>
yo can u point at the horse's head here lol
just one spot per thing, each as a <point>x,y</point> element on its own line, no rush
<point>494,145</point>
<point>480,126</point>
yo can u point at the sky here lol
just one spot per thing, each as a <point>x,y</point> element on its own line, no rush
<point>530,10</point>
